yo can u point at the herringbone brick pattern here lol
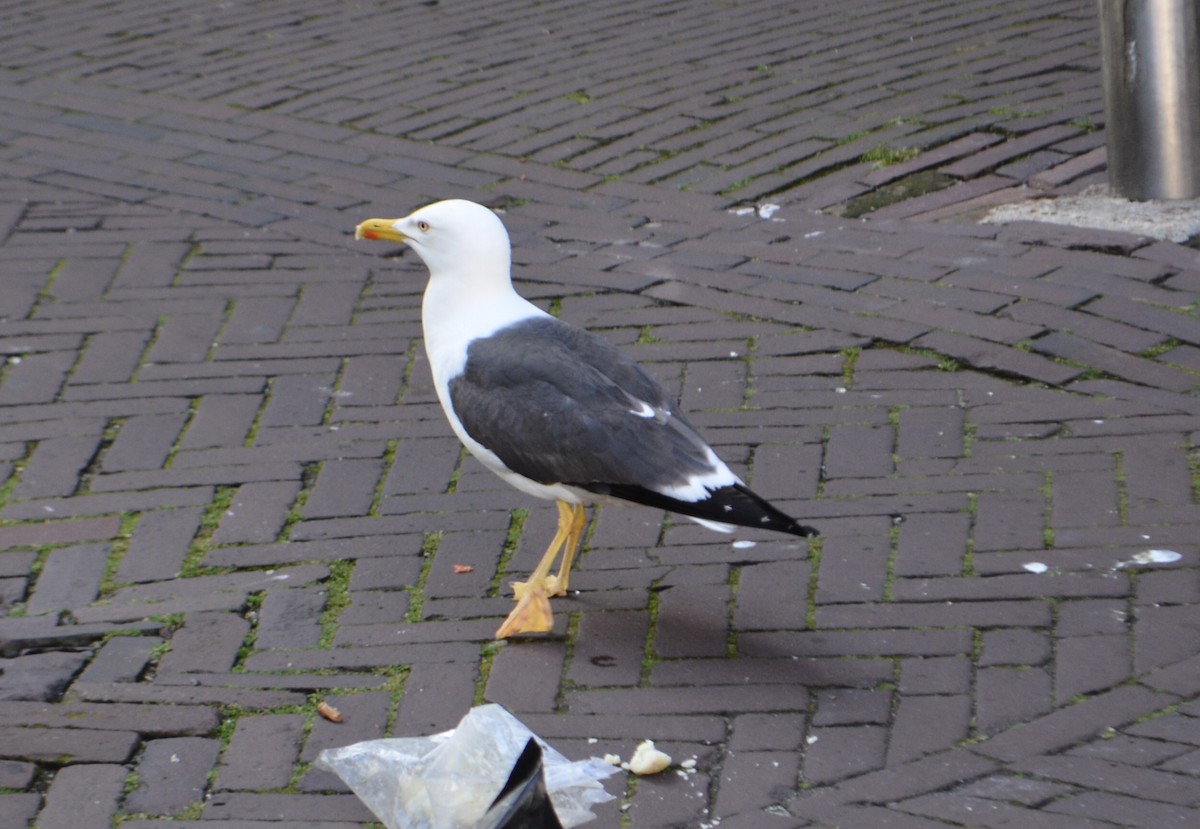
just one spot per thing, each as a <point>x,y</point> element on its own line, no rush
<point>228,491</point>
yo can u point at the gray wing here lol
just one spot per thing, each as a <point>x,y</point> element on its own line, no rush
<point>559,405</point>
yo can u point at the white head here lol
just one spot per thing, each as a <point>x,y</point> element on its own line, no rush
<point>456,239</point>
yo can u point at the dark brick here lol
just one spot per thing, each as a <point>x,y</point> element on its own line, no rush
<point>172,773</point>
<point>262,752</point>
<point>928,724</point>
<point>257,512</point>
<point>436,697</point>
<point>840,752</point>
<point>159,545</point>
<point>62,745</point>
<point>302,809</point>
<point>290,618</point>
<point>221,420</point>
<point>772,596</point>
<point>1014,646</point>
<point>185,338</point>
<point>852,707</point>
<point>1095,806</point>
<point>525,676</point>
<point>754,780</point>
<point>38,676</point>
<point>71,577</point>
<point>663,800</point>
<point>692,621</point>
<point>208,641</point>
<point>344,487</point>
<point>932,544</point>
<point>1066,726</point>
<point>55,466</point>
<point>35,378</point>
<point>609,649</point>
<point>83,795</point>
<point>143,442</point>
<point>1086,664</point>
<point>120,659</point>
<point>297,400</point>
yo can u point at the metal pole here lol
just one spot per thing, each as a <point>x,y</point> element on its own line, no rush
<point>1151,56</point>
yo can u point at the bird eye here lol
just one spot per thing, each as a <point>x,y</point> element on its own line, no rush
<point>423,226</point>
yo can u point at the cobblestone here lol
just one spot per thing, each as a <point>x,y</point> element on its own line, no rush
<point>226,491</point>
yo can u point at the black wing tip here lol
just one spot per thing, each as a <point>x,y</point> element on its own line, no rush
<point>803,530</point>
<point>735,504</point>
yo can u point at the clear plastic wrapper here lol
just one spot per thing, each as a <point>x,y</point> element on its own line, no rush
<point>448,780</point>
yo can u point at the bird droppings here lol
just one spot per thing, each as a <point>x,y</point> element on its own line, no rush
<point>1035,567</point>
<point>1151,557</point>
<point>766,211</point>
<point>744,544</point>
<point>811,739</point>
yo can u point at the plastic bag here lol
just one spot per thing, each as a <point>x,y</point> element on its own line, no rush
<point>449,780</point>
<point>523,803</point>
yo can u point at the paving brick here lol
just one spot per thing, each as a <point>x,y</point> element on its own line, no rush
<point>257,512</point>
<point>71,577</point>
<point>172,774</point>
<point>1086,664</point>
<point>168,204</point>
<point>753,780</point>
<point>36,378</point>
<point>83,795</point>
<point>1068,725</point>
<point>290,618</point>
<point>1130,811</point>
<point>262,752</point>
<point>344,487</point>
<point>160,543</point>
<point>935,675</point>
<point>55,466</point>
<point>66,745</point>
<point>1013,646</point>
<point>609,649</point>
<point>841,752</point>
<point>932,544</point>
<point>120,659</point>
<point>526,676</point>
<point>209,640</point>
<point>220,420</point>
<point>772,596</point>
<point>982,355</point>
<point>927,724</point>
<point>38,676</point>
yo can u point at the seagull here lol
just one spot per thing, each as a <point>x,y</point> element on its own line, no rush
<point>554,410</point>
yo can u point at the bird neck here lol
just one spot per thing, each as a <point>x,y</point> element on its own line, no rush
<point>455,311</point>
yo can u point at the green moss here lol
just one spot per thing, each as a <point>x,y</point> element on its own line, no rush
<point>886,155</point>
<point>516,527</point>
<point>909,187</point>
<point>337,599</point>
<point>815,549</point>
<point>416,592</point>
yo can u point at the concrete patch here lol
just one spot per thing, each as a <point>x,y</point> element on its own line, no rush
<point>1172,221</point>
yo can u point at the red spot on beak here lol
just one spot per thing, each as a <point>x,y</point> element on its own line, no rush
<point>370,234</point>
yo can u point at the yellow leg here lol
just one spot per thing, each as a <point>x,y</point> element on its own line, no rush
<point>532,613</point>
<point>557,585</point>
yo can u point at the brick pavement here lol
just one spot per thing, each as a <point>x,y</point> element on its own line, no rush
<point>228,492</point>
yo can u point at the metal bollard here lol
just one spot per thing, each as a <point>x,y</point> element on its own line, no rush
<point>1151,56</point>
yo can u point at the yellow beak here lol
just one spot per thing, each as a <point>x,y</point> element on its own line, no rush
<point>379,229</point>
